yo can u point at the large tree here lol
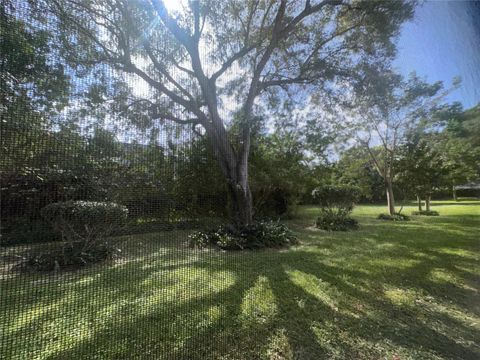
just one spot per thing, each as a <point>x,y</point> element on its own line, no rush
<point>215,53</point>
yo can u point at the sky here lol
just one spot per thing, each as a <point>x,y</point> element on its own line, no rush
<point>441,42</point>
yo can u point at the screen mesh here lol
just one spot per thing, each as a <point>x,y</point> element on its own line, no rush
<point>232,179</point>
<point>70,135</point>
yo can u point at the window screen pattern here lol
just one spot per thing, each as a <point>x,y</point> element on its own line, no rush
<point>135,289</point>
<point>149,187</point>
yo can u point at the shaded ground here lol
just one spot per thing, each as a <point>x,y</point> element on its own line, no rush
<point>390,290</point>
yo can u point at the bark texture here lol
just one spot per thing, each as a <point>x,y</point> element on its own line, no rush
<point>390,197</point>
<point>419,203</point>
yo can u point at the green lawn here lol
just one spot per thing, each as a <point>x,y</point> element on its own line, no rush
<point>406,290</point>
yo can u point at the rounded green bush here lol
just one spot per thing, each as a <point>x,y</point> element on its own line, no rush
<point>85,227</point>
<point>340,196</point>
<point>336,203</point>
<point>85,217</point>
<point>335,221</point>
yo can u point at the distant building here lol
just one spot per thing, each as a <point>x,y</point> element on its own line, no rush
<point>471,189</point>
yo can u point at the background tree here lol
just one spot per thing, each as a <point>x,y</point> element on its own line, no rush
<point>455,135</point>
<point>194,60</point>
<point>389,108</point>
<point>355,167</point>
<point>280,172</point>
<point>421,168</point>
<point>33,89</point>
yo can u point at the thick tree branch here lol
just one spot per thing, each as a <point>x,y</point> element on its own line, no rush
<point>171,117</point>
<point>226,65</point>
<point>160,68</point>
<point>130,67</point>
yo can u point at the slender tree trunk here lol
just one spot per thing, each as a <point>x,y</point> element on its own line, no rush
<point>419,202</point>
<point>454,192</point>
<point>427,202</point>
<point>390,197</point>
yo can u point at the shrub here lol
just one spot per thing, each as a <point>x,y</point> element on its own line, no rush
<point>262,234</point>
<point>200,239</point>
<point>334,221</point>
<point>74,256</point>
<point>85,220</point>
<point>337,203</point>
<point>24,230</point>
<point>84,227</point>
<point>336,196</point>
<point>426,213</point>
<point>394,217</point>
<point>274,202</point>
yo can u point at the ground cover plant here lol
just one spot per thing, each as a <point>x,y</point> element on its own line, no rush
<point>393,217</point>
<point>259,235</point>
<point>395,290</point>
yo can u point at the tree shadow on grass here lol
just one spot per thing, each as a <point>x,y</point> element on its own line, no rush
<point>351,324</point>
<point>180,304</point>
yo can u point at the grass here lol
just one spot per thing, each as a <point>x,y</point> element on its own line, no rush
<point>403,290</point>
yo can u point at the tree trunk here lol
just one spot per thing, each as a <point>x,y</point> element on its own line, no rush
<point>240,196</point>
<point>419,202</point>
<point>240,203</point>
<point>427,202</point>
<point>454,192</point>
<point>241,207</point>
<point>390,197</point>
<point>234,167</point>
